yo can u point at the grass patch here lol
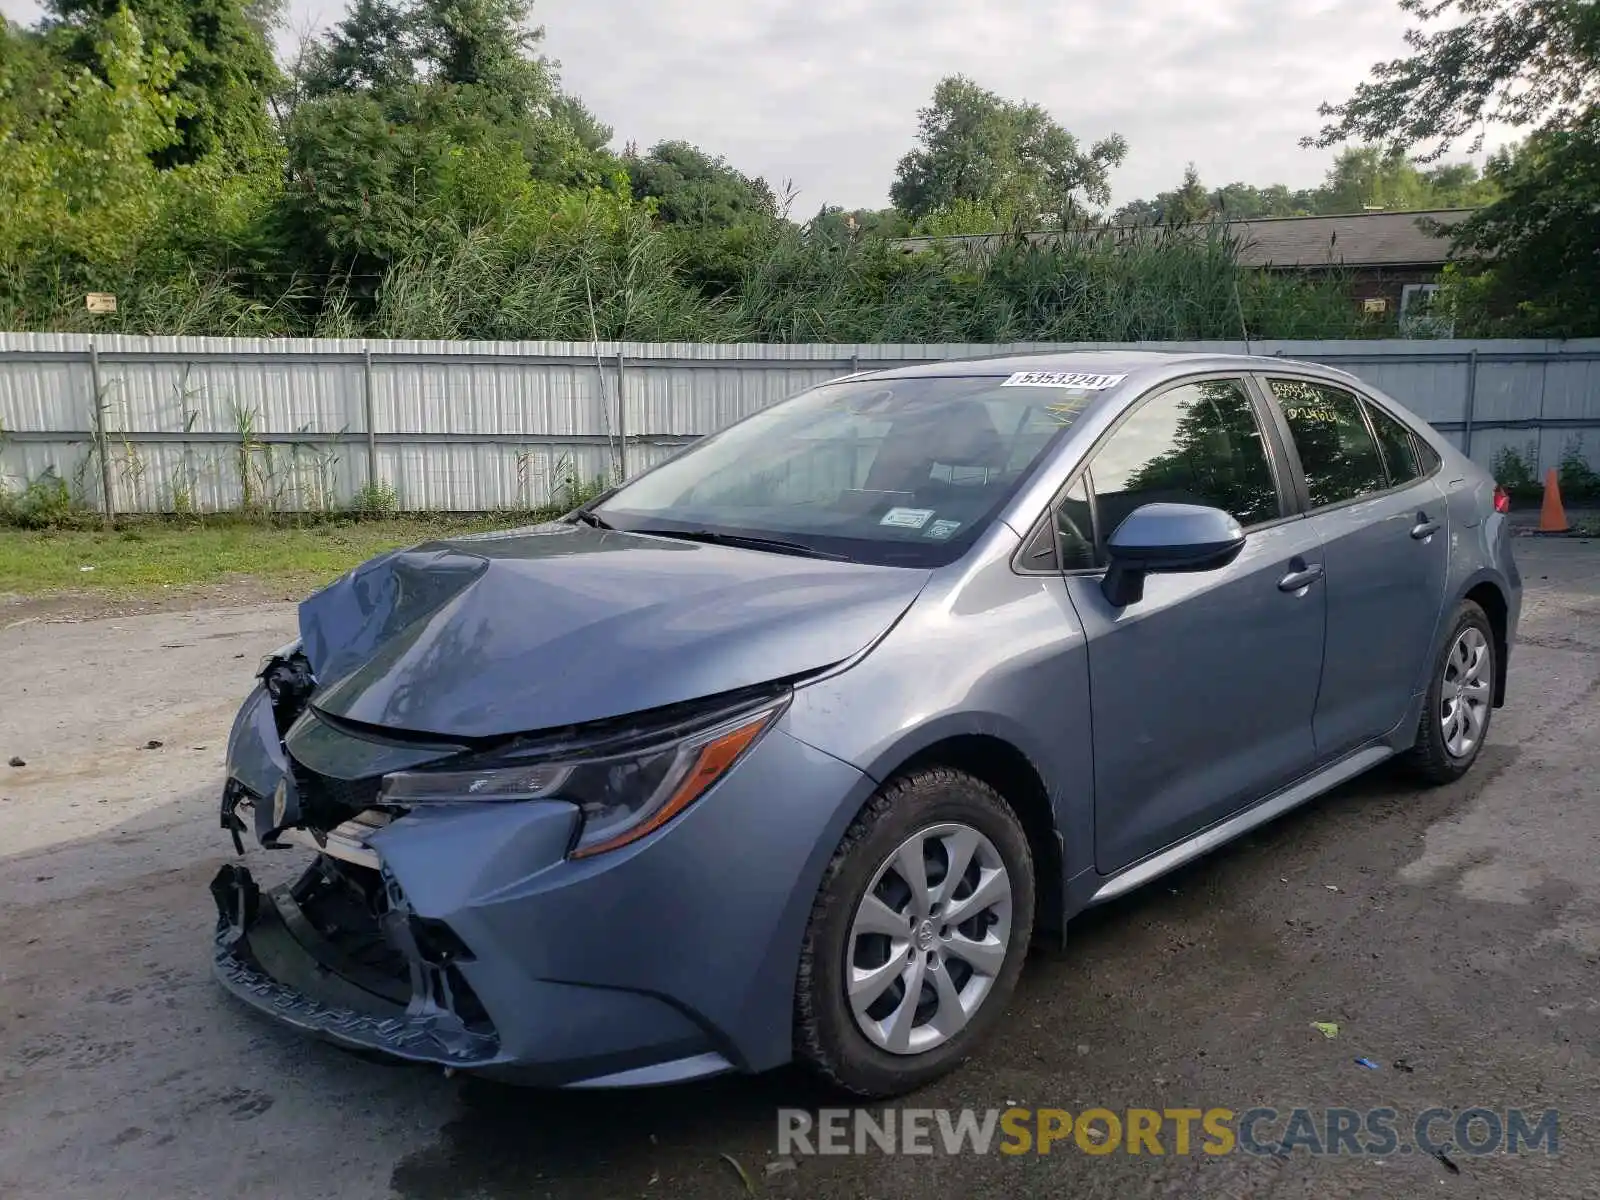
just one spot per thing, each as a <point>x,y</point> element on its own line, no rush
<point>153,556</point>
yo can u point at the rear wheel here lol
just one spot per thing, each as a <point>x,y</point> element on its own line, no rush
<point>917,935</point>
<point>1460,701</point>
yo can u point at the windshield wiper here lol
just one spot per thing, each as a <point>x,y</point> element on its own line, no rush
<point>776,545</point>
<point>589,518</point>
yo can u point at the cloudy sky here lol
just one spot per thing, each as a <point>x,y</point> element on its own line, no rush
<point>825,92</point>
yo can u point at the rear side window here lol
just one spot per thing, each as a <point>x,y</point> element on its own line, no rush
<point>1198,443</point>
<point>1399,448</point>
<point>1427,456</point>
<point>1337,452</point>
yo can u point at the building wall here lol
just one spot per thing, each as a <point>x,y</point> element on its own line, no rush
<point>1385,283</point>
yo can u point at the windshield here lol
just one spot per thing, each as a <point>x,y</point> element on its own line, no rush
<point>890,471</point>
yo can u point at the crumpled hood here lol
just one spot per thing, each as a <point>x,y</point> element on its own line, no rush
<point>559,624</point>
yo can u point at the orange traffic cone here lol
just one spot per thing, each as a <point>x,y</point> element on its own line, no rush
<point>1552,516</point>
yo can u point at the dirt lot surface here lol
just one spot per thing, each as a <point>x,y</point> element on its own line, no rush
<point>1463,937</point>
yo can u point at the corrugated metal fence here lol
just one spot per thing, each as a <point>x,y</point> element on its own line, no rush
<point>212,423</point>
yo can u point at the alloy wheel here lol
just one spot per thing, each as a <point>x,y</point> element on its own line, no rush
<point>928,938</point>
<point>1467,692</point>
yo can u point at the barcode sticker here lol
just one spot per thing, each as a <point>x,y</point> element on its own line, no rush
<point>1080,380</point>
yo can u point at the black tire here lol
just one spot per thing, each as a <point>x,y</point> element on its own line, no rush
<point>1430,761</point>
<point>827,1037</point>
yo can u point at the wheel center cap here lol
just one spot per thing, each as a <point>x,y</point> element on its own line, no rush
<point>925,936</point>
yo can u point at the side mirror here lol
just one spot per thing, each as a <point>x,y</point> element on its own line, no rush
<point>1169,538</point>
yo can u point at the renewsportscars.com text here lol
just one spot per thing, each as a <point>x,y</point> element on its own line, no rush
<point>1376,1132</point>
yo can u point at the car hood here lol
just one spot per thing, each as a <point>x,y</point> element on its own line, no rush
<point>560,624</point>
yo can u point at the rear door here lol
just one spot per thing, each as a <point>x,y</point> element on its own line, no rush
<point>1383,524</point>
<point>1202,693</point>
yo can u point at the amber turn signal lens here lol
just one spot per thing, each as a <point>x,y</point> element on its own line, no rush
<point>710,763</point>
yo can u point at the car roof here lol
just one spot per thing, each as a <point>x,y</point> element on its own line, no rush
<point>1149,366</point>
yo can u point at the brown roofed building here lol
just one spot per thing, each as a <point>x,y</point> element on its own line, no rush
<point>1389,258</point>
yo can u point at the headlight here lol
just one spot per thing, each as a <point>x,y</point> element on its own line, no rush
<point>622,797</point>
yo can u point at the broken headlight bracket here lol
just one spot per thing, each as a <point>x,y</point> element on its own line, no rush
<point>287,676</point>
<point>233,793</point>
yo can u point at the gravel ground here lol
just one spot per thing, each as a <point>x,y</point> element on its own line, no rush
<point>1463,938</point>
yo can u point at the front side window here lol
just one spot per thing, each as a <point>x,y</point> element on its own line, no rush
<point>1198,443</point>
<point>1075,529</point>
<point>1340,460</point>
<point>892,471</point>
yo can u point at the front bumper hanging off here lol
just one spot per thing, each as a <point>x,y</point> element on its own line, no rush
<point>276,954</point>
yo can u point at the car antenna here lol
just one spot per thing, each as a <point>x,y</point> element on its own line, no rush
<point>1239,307</point>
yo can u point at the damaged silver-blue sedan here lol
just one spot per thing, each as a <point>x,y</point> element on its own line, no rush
<point>789,747</point>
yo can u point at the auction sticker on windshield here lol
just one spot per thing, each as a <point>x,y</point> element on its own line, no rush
<point>1064,379</point>
<point>907,518</point>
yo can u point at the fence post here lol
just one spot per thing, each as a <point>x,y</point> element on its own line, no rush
<point>372,431</point>
<point>1472,402</point>
<point>101,440</point>
<point>622,415</point>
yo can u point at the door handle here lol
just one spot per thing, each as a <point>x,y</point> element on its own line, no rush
<point>1295,580</point>
<point>1424,528</point>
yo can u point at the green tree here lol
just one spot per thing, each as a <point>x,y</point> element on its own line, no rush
<point>1514,62</point>
<point>1191,203</point>
<point>571,113</point>
<point>1361,178</point>
<point>27,74</point>
<point>455,60</point>
<point>1459,185</point>
<point>373,49</point>
<point>1366,177</point>
<point>1010,158</point>
<point>1532,257</point>
<point>1239,201</point>
<point>1231,202</point>
<point>78,181</point>
<point>488,44</point>
<point>835,223</point>
<point>225,68</point>
<point>691,187</point>
<point>1138,212</point>
<point>1530,262</point>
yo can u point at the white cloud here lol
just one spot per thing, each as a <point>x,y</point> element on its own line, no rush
<point>825,92</point>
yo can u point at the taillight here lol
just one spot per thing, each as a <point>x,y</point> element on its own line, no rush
<point>1502,500</point>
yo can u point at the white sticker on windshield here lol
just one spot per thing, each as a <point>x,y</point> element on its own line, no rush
<point>941,529</point>
<point>907,518</point>
<point>1064,379</point>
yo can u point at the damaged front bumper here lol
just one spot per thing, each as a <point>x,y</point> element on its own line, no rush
<point>465,936</point>
<point>278,958</point>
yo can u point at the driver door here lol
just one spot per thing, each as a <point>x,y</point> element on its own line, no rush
<point>1203,692</point>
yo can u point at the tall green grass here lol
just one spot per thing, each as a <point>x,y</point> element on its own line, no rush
<point>594,275</point>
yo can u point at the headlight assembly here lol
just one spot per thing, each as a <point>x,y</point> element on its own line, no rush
<point>622,796</point>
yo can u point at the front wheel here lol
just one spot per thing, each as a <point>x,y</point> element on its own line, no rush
<point>1460,702</point>
<point>917,935</point>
